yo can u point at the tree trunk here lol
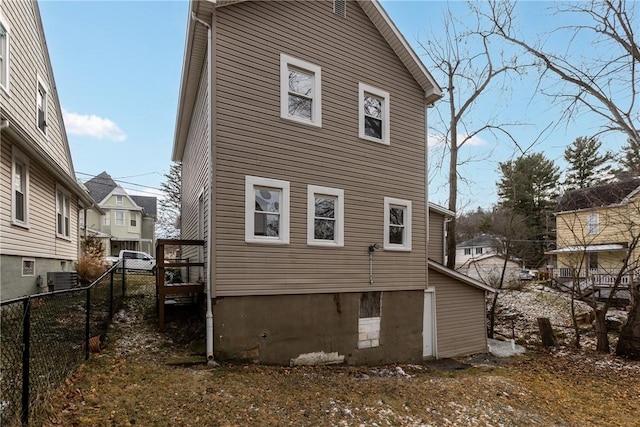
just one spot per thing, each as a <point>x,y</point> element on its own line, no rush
<point>546,332</point>
<point>453,177</point>
<point>629,341</point>
<point>602,337</point>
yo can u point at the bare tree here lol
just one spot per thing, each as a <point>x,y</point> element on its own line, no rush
<point>604,80</point>
<point>599,273</point>
<point>472,70</point>
<point>170,204</point>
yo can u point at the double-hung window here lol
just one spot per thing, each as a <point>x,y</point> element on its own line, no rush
<point>118,200</point>
<point>266,210</point>
<point>63,209</point>
<point>41,106</point>
<point>20,189</point>
<point>4,54</point>
<point>134,219</point>
<point>120,218</point>
<point>467,251</point>
<point>325,216</point>
<point>593,224</point>
<point>106,219</point>
<point>374,114</point>
<point>397,224</point>
<point>300,94</point>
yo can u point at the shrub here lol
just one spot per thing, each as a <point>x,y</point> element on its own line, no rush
<point>89,268</point>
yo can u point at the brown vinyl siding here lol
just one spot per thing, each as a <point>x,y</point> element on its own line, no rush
<point>28,61</point>
<point>39,240</point>
<point>252,139</point>
<point>460,317</point>
<point>195,168</point>
<point>436,237</point>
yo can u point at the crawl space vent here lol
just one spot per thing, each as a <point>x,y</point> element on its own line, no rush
<point>340,8</point>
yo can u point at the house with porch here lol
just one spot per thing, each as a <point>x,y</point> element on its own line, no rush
<point>40,196</point>
<point>304,169</point>
<point>127,221</point>
<point>598,233</point>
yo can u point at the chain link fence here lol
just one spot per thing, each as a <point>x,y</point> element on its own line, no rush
<point>45,336</point>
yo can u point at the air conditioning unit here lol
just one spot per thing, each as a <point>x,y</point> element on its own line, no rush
<point>58,280</point>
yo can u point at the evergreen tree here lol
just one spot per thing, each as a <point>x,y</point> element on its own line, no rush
<point>587,167</point>
<point>629,161</point>
<point>528,187</point>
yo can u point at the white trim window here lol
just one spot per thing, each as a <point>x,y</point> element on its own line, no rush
<point>81,218</point>
<point>106,219</point>
<point>266,210</point>
<point>397,224</point>
<point>19,189</point>
<point>4,53</point>
<point>119,200</point>
<point>593,224</point>
<point>373,110</point>
<point>300,92</point>
<point>119,219</point>
<point>325,216</point>
<point>134,219</point>
<point>63,217</point>
<point>41,106</point>
<point>28,267</point>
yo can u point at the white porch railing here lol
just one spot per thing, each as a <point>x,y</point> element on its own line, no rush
<point>596,277</point>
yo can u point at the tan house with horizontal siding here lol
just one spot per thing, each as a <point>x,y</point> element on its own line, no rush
<point>40,197</point>
<point>598,228</point>
<point>301,130</point>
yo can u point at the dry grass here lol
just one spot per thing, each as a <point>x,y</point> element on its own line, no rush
<point>144,378</point>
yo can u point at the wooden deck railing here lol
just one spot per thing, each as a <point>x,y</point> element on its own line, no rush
<point>162,287</point>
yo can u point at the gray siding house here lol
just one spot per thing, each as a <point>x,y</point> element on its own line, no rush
<point>39,196</point>
<point>301,130</point>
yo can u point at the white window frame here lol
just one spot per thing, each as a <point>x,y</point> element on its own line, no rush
<point>467,251</point>
<point>287,61</point>
<point>406,244</point>
<point>5,54</point>
<point>81,218</point>
<point>17,157</point>
<point>479,251</point>
<point>249,225</point>
<point>33,260</point>
<point>593,224</point>
<point>312,191</point>
<point>363,89</point>
<point>119,222</point>
<point>45,88</point>
<point>119,201</point>
<point>133,219</point>
<point>106,219</point>
<point>63,212</point>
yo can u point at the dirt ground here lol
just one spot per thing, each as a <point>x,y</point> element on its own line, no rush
<point>146,378</point>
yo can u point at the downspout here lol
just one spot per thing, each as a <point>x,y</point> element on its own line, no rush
<point>426,224</point>
<point>209,313</point>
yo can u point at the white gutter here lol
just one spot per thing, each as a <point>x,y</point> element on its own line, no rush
<point>209,314</point>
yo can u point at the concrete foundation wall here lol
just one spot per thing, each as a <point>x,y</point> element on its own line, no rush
<point>14,285</point>
<point>276,329</point>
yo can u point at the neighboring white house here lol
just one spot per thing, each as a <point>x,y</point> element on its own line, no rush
<point>488,269</point>
<point>479,246</point>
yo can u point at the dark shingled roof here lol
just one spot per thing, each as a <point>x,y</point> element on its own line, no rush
<point>602,195</point>
<point>484,240</point>
<point>146,203</point>
<point>100,186</point>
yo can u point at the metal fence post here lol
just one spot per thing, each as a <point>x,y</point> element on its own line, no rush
<point>123,276</point>
<point>111,295</point>
<point>26,344</point>
<point>86,326</point>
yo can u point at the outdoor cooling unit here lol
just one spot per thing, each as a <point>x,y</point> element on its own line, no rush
<point>58,280</point>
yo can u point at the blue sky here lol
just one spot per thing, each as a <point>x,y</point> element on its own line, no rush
<point>117,67</point>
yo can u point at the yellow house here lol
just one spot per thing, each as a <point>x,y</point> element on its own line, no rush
<point>598,235</point>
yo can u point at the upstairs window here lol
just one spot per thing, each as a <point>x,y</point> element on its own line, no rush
<point>325,216</point>
<point>4,54</point>
<point>118,200</point>
<point>397,224</point>
<point>81,219</point>
<point>593,224</point>
<point>106,219</point>
<point>120,218</point>
<point>63,209</point>
<point>20,189</point>
<point>266,210</point>
<point>41,106</point>
<point>134,219</point>
<point>374,114</point>
<point>300,94</point>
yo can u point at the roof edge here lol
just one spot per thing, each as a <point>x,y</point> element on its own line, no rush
<point>459,276</point>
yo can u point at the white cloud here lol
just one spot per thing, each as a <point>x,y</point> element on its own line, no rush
<point>439,140</point>
<point>93,126</point>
